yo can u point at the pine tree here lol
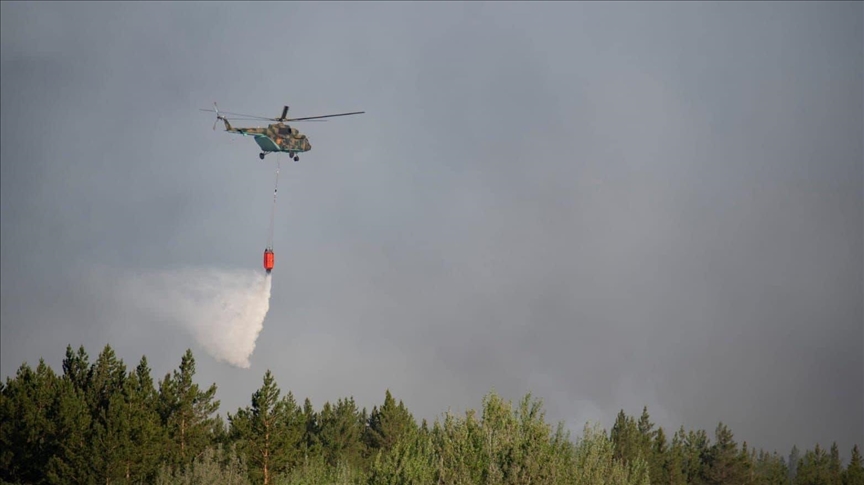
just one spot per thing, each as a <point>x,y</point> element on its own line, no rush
<point>76,367</point>
<point>110,427</point>
<point>835,467</point>
<point>409,460</point>
<point>792,464</point>
<point>111,438</point>
<point>459,445</point>
<point>388,424</point>
<point>70,461</point>
<point>725,464</point>
<point>646,428</point>
<point>676,461</point>
<point>311,443</point>
<point>28,433</point>
<point>779,471</point>
<point>595,463</point>
<point>770,469</point>
<point>146,431</point>
<point>105,378</point>
<point>542,453</point>
<point>659,464</point>
<point>854,473</point>
<point>695,446</point>
<point>746,460</point>
<point>219,431</point>
<point>626,438</point>
<point>270,432</point>
<point>186,412</point>
<point>340,430</point>
<point>813,468</point>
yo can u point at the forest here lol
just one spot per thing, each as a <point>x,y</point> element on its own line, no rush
<point>101,423</point>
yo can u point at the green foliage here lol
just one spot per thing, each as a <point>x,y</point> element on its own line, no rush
<point>339,430</point>
<point>835,468</point>
<point>186,412</point>
<point>792,464</point>
<point>29,431</point>
<point>695,452</point>
<point>214,465</point>
<point>70,463</point>
<point>316,471</point>
<point>270,432</point>
<point>407,461</point>
<point>659,463</point>
<point>596,463</point>
<point>388,425</point>
<point>103,423</point>
<point>504,445</point>
<point>770,470</point>
<point>626,438</point>
<point>724,463</point>
<point>854,474</point>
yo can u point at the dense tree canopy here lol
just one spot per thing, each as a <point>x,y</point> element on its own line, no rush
<point>102,423</point>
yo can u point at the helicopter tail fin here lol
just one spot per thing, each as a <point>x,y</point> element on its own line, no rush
<point>228,126</point>
<point>220,117</point>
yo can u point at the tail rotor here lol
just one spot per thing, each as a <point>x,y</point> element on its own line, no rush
<point>218,116</point>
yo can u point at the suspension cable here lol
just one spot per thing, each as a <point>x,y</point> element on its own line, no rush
<point>273,209</point>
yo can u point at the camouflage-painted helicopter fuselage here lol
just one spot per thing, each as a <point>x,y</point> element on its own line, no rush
<point>278,137</point>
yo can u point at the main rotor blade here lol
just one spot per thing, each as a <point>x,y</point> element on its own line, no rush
<point>237,114</point>
<point>234,116</point>
<point>325,116</point>
<point>247,118</point>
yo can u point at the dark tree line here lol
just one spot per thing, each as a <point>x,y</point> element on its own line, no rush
<point>101,423</point>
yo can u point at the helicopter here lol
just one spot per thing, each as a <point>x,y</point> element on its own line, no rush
<point>278,137</point>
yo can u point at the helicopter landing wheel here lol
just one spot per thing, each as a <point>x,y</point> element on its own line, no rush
<point>296,158</point>
<point>261,155</point>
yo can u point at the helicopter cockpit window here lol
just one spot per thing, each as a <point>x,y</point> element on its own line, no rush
<point>284,130</point>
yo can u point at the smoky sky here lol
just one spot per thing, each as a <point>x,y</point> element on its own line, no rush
<point>608,205</point>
